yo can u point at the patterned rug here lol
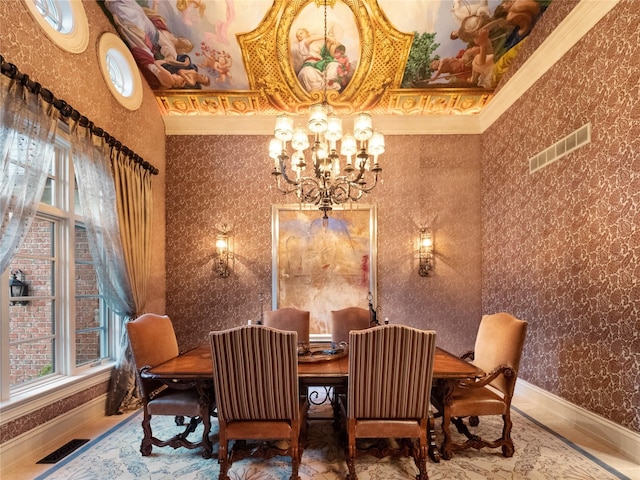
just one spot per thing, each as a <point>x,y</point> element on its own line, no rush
<point>540,454</point>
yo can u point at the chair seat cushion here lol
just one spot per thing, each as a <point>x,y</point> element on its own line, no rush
<point>387,428</point>
<point>175,402</point>
<point>477,401</point>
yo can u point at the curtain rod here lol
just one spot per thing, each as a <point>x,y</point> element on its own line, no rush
<point>67,111</point>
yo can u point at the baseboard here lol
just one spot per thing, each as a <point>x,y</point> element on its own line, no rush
<point>40,441</point>
<point>614,436</point>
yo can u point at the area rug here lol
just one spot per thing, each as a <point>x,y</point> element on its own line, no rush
<point>540,454</point>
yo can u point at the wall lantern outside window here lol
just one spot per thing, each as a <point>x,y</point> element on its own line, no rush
<point>18,287</point>
<point>425,254</point>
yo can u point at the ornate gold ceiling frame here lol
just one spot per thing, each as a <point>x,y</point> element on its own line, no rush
<point>266,51</point>
<point>375,85</point>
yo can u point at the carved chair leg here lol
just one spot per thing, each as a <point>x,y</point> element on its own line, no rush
<point>420,457</point>
<point>295,462</point>
<point>351,453</point>
<point>508,448</point>
<point>295,449</point>
<point>224,468</point>
<point>147,442</point>
<point>224,459</point>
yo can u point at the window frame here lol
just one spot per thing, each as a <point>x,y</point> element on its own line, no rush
<point>67,378</point>
<point>111,49</point>
<point>76,40</point>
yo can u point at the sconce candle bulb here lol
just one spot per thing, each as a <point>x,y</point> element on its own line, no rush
<point>425,254</point>
<point>223,252</point>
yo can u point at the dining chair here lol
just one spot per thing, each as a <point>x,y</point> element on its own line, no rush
<point>390,373</point>
<point>498,348</point>
<point>153,341</point>
<point>255,376</point>
<point>290,319</point>
<point>347,319</point>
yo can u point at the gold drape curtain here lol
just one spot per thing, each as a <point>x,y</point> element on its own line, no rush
<point>135,211</point>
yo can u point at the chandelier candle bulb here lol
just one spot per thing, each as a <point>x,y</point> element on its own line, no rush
<point>300,141</point>
<point>362,127</point>
<point>318,122</point>
<point>334,130</point>
<point>275,150</point>
<point>284,127</point>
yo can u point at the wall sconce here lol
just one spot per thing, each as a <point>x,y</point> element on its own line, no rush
<point>425,254</point>
<point>18,287</point>
<point>223,253</point>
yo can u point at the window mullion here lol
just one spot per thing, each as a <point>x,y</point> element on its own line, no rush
<point>4,336</point>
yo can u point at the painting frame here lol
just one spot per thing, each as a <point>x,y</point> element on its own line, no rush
<point>322,265</point>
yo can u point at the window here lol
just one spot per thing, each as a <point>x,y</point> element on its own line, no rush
<point>62,328</point>
<point>57,14</point>
<point>120,71</point>
<point>64,22</point>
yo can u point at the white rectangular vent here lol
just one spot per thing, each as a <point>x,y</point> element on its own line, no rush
<point>568,144</point>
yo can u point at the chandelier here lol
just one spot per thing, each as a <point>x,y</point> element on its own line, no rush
<point>319,164</point>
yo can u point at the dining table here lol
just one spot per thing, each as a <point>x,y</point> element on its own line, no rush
<point>319,366</point>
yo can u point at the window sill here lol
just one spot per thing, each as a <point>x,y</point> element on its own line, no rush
<point>52,391</point>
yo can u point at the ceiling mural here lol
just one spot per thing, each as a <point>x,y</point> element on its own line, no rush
<point>248,57</point>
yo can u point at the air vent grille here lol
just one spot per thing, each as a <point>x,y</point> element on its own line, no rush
<point>571,142</point>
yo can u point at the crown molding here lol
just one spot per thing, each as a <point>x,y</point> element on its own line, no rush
<point>577,23</point>
<point>263,125</point>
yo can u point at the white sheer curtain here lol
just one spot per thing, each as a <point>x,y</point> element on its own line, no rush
<point>27,135</point>
<point>97,193</point>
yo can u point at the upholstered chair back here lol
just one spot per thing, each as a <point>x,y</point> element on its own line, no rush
<point>347,319</point>
<point>390,372</point>
<point>289,319</point>
<point>153,341</point>
<point>500,341</point>
<point>255,373</point>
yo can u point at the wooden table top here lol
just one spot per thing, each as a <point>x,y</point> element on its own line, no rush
<point>196,364</point>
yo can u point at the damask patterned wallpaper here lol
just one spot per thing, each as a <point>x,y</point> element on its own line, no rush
<point>226,179</point>
<point>561,247</point>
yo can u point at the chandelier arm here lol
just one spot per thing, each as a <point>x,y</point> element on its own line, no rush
<point>310,191</point>
<point>358,177</point>
<point>341,193</point>
<point>366,189</point>
<point>283,172</point>
<point>285,188</point>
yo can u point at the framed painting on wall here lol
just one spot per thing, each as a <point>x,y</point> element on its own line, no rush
<point>322,265</point>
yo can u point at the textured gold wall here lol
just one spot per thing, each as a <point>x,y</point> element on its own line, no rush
<point>561,247</point>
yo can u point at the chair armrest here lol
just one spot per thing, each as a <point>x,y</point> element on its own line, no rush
<point>490,377</point>
<point>468,355</point>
